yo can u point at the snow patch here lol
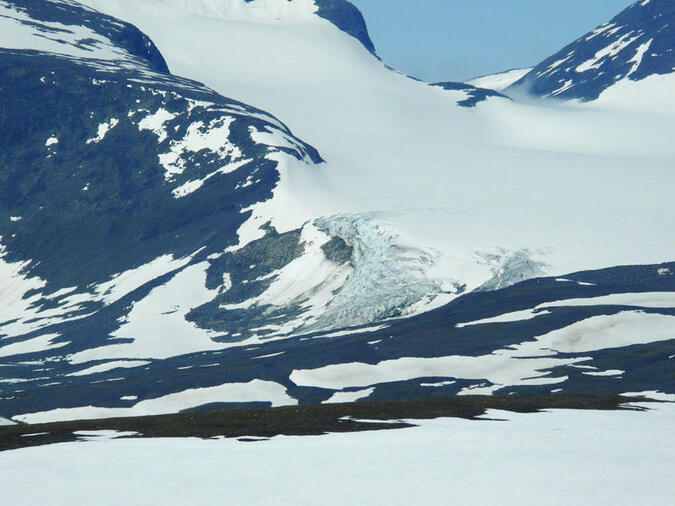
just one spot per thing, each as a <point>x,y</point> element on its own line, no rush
<point>109,366</point>
<point>516,365</point>
<point>639,54</point>
<point>155,123</point>
<point>652,394</point>
<point>102,130</point>
<point>195,184</point>
<point>253,391</point>
<point>501,81</point>
<point>157,323</point>
<point>612,50</point>
<point>102,435</point>
<point>213,137</point>
<point>34,345</point>
<point>611,372</point>
<point>515,316</point>
<point>438,385</point>
<point>344,397</point>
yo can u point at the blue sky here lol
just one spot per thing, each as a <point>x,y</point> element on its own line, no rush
<point>438,40</point>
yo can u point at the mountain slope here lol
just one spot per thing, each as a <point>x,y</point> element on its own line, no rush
<point>637,45</point>
<point>165,248</point>
<point>121,189</point>
<point>450,172</point>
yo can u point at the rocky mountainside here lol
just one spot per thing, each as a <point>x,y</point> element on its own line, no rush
<point>638,43</point>
<point>165,248</point>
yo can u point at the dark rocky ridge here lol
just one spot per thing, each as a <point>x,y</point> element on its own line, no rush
<point>347,18</point>
<point>251,424</point>
<point>476,95</point>
<point>643,21</point>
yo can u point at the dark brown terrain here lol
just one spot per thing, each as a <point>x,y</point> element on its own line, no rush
<point>305,420</point>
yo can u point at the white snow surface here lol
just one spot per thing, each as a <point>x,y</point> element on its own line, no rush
<point>652,96</point>
<point>34,345</point>
<point>4,421</point>
<point>554,458</point>
<point>98,435</point>
<point>653,394</point>
<point>102,130</point>
<point>500,81</point>
<point>515,316</point>
<point>256,390</point>
<point>570,185</point>
<point>339,397</point>
<point>109,366</point>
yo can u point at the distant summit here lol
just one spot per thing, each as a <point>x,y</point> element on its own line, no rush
<point>347,18</point>
<point>635,44</point>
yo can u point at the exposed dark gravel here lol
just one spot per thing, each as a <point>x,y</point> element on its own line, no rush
<point>304,420</point>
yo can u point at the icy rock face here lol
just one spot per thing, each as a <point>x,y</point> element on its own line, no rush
<point>636,44</point>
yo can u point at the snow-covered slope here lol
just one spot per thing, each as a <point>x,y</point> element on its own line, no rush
<point>631,56</point>
<point>499,81</point>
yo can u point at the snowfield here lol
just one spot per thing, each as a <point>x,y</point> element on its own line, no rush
<point>558,457</point>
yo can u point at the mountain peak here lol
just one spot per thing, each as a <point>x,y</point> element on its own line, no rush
<point>348,18</point>
<point>635,44</point>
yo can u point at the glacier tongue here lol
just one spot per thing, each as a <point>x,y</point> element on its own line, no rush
<point>353,269</point>
<point>388,275</point>
<point>346,270</point>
